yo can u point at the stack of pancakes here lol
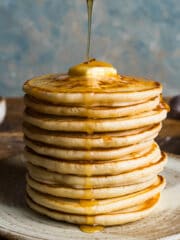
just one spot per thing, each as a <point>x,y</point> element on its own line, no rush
<point>89,135</point>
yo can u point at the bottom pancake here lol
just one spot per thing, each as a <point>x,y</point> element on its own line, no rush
<point>115,218</point>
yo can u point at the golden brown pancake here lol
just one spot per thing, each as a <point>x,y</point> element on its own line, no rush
<point>95,193</point>
<point>96,168</point>
<point>135,176</point>
<point>63,89</point>
<point>84,154</point>
<point>90,112</point>
<point>57,123</point>
<point>98,140</point>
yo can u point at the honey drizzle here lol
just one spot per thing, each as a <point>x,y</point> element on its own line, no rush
<point>88,202</point>
<point>89,10</point>
<point>163,105</point>
<point>91,229</point>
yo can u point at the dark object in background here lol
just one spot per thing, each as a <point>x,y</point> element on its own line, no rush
<point>170,144</point>
<point>169,138</point>
<point>174,108</point>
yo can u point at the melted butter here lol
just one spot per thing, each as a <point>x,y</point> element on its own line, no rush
<point>93,69</point>
<point>91,229</point>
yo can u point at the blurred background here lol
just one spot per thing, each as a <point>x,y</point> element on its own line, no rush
<point>41,36</point>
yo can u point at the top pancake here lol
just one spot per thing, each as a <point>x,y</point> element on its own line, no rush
<point>80,90</point>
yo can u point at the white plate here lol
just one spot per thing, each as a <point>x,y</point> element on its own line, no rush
<point>17,221</point>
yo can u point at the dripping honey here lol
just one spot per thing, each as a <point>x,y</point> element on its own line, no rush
<point>89,10</point>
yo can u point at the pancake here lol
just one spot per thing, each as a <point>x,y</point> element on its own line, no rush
<point>75,206</point>
<point>63,89</point>
<point>95,193</point>
<point>138,175</point>
<point>96,168</point>
<point>94,125</point>
<point>84,155</point>
<point>91,112</point>
<point>83,140</point>
<point>115,218</point>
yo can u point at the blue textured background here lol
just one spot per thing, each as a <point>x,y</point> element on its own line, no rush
<point>140,37</point>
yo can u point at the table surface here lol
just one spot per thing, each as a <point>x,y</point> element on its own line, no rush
<point>11,137</point>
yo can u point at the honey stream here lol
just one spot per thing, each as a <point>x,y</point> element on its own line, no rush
<point>88,202</point>
<point>89,10</point>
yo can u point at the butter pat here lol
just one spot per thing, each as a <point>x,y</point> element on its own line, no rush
<point>93,69</point>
